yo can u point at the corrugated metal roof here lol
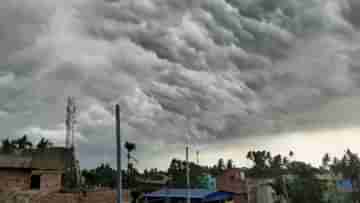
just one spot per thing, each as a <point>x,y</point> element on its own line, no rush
<point>180,193</point>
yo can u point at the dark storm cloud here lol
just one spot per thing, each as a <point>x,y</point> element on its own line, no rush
<point>351,12</point>
<point>230,68</point>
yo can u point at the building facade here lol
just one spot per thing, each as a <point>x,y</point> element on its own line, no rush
<point>233,180</point>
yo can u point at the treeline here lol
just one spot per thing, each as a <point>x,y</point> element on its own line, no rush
<point>23,143</point>
<point>299,182</point>
<point>104,175</point>
<point>293,180</point>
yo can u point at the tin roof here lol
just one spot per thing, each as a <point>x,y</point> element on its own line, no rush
<point>180,193</point>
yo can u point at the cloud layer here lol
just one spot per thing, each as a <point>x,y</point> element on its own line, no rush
<point>203,70</point>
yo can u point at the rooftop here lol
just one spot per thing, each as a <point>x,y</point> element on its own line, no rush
<point>180,193</point>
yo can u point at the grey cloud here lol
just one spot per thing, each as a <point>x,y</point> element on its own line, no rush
<point>351,12</point>
<point>233,68</point>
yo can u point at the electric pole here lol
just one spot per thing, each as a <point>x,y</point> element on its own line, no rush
<point>197,157</point>
<point>118,154</point>
<point>187,175</point>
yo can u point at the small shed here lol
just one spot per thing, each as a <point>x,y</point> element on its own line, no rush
<point>180,195</point>
<point>34,169</point>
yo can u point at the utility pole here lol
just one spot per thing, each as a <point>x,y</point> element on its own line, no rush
<point>285,188</point>
<point>187,175</point>
<point>197,157</point>
<point>118,154</point>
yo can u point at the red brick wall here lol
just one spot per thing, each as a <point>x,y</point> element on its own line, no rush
<point>240,198</point>
<point>56,198</point>
<point>95,197</point>
<point>230,181</point>
<point>50,182</point>
<point>14,180</point>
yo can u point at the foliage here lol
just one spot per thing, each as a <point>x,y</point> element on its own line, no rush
<point>265,165</point>
<point>177,171</point>
<point>130,147</point>
<point>44,144</point>
<point>23,143</point>
<point>304,186</point>
<point>349,168</point>
<point>305,189</point>
<point>7,146</point>
<point>230,164</point>
<point>102,175</point>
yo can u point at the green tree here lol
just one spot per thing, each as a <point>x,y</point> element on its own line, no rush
<point>130,147</point>
<point>229,164</point>
<point>326,160</point>
<point>221,164</point>
<point>7,146</point>
<point>177,171</point>
<point>102,175</point>
<point>44,144</point>
<point>264,164</point>
<point>305,189</point>
<point>349,168</point>
<point>22,143</point>
<point>291,153</point>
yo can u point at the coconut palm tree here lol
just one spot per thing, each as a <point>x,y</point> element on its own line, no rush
<point>7,146</point>
<point>129,147</point>
<point>22,143</point>
<point>44,144</point>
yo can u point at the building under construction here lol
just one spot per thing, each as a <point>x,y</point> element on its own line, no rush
<point>51,168</point>
<point>44,170</point>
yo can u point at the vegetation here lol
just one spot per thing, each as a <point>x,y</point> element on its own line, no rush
<point>294,181</point>
<point>298,181</point>
<point>130,147</point>
<point>102,175</point>
<point>44,144</point>
<point>23,143</point>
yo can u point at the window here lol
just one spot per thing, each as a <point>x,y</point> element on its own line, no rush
<point>35,182</point>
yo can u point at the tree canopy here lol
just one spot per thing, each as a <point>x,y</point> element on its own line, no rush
<point>23,143</point>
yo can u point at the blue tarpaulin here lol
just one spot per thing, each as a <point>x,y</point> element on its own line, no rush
<point>344,185</point>
<point>218,196</point>
<point>199,194</point>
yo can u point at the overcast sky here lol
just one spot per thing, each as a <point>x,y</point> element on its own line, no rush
<point>226,76</point>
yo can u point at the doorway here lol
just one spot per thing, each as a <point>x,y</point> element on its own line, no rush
<point>35,182</point>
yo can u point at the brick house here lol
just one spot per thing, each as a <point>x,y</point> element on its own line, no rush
<point>234,180</point>
<point>34,169</point>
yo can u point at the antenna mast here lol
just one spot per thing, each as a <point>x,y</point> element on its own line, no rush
<point>70,122</point>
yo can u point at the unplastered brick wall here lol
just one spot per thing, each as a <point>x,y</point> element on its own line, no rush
<point>103,196</point>
<point>50,182</point>
<point>14,180</point>
<point>95,197</point>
